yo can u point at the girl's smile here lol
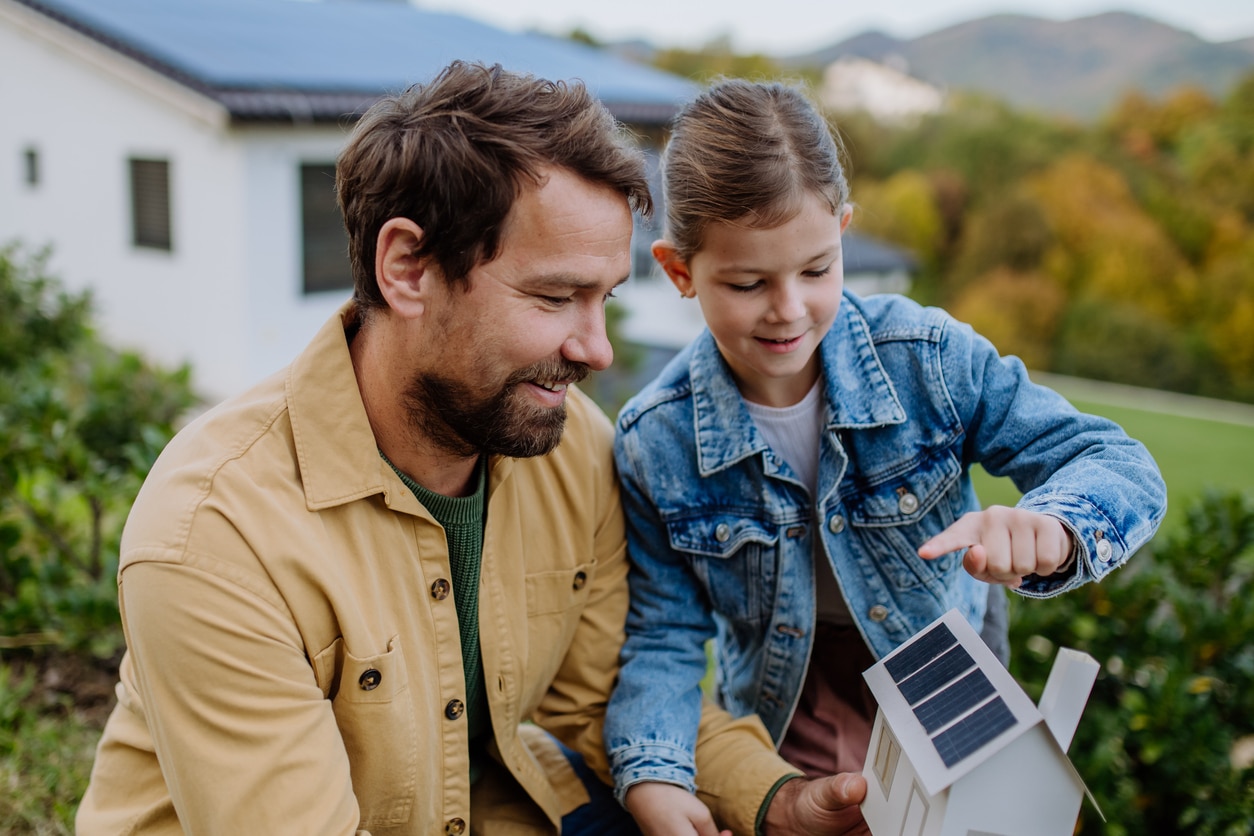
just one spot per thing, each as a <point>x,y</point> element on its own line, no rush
<point>769,296</point>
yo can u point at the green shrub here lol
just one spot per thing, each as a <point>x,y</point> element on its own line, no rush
<point>80,425</point>
<point>1165,741</point>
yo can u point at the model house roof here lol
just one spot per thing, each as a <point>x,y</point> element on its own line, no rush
<point>951,703</point>
<point>297,60</point>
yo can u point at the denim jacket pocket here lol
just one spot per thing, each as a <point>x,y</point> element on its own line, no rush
<point>897,515</point>
<point>373,709</point>
<point>734,558</point>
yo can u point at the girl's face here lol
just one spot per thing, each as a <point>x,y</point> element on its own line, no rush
<point>769,297</point>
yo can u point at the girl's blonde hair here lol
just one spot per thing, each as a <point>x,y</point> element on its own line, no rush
<point>747,153</point>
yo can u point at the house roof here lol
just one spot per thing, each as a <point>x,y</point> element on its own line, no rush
<point>952,705</point>
<point>297,60</point>
<point>867,255</point>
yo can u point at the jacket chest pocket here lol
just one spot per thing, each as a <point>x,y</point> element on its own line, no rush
<point>894,517</point>
<point>734,559</point>
<point>374,711</point>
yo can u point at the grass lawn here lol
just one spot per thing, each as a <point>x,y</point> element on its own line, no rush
<point>1198,444</point>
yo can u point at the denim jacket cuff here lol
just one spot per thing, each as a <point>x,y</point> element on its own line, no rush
<point>666,763</point>
<point>1097,547</point>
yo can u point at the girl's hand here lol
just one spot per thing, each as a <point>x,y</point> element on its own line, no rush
<point>668,810</point>
<point>1004,544</point>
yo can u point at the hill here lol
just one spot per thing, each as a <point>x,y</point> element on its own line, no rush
<point>1075,67</point>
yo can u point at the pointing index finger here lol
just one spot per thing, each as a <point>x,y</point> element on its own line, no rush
<point>962,534</point>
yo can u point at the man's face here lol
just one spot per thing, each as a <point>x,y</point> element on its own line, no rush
<point>498,355</point>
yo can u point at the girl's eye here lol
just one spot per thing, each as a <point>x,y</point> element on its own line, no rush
<point>746,288</point>
<point>817,274</point>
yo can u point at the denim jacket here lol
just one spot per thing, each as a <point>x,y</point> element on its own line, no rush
<point>722,534</point>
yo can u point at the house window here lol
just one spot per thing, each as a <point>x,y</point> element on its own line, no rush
<point>30,159</point>
<point>150,204</point>
<point>324,243</point>
<point>886,757</point>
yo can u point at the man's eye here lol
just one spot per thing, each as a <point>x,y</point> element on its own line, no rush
<point>556,301</point>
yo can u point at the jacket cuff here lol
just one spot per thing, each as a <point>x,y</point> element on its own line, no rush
<point>657,761</point>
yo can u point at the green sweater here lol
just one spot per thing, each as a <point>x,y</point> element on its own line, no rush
<point>463,518</point>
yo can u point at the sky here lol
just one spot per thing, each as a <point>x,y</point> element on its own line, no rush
<point>784,27</point>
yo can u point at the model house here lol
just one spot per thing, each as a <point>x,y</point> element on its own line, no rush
<point>177,156</point>
<point>958,749</point>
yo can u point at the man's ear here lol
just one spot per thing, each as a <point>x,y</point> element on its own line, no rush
<point>405,279</point>
<point>676,268</point>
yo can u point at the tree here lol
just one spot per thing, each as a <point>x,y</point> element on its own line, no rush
<point>80,425</point>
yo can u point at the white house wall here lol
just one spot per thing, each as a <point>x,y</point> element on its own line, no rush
<point>279,318</point>
<point>86,113</point>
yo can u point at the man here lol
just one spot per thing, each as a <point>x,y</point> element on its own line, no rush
<point>347,591</point>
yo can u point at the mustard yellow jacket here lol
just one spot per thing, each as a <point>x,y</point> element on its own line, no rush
<point>294,661</point>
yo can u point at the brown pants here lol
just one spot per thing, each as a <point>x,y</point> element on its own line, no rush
<point>831,729</point>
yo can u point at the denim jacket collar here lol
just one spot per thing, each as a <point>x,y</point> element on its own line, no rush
<point>858,391</point>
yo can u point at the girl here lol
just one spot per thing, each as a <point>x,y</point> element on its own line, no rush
<point>796,481</point>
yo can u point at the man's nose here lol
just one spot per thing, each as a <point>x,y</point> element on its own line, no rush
<point>590,344</point>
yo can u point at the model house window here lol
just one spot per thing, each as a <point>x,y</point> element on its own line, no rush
<point>30,160</point>
<point>150,204</point>
<point>324,243</point>
<point>886,757</point>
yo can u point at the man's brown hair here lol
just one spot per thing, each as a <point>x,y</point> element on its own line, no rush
<point>453,154</point>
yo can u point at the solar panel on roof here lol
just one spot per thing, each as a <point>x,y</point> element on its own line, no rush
<point>923,650</point>
<point>949,704</point>
<point>937,674</point>
<point>970,733</point>
<point>948,694</point>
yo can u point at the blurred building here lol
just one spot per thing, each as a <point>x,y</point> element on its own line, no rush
<point>178,155</point>
<point>884,91</point>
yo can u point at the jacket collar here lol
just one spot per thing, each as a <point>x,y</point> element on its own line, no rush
<point>857,390</point>
<point>335,448</point>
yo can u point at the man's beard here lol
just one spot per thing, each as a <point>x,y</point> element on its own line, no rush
<point>504,422</point>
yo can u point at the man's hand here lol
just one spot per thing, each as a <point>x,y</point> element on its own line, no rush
<point>1004,544</point>
<point>668,810</point>
<point>827,806</point>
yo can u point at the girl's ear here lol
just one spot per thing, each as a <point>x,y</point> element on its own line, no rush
<point>405,279</point>
<point>676,268</point>
<point>846,215</point>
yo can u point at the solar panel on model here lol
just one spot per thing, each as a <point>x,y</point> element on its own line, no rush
<point>941,683</point>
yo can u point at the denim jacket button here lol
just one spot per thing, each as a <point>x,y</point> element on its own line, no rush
<point>879,612</point>
<point>1104,550</point>
<point>908,503</point>
<point>722,533</point>
<point>836,524</point>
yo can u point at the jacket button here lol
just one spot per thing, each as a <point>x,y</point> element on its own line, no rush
<point>581,578</point>
<point>879,612</point>
<point>454,709</point>
<point>836,524</point>
<point>440,589</point>
<point>370,680</point>
<point>455,827</point>
<point>722,533</point>
<point>908,503</point>
<point>1104,550</point>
